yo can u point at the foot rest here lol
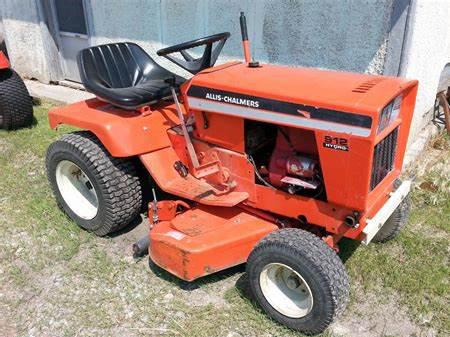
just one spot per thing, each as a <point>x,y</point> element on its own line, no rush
<point>207,169</point>
<point>160,165</point>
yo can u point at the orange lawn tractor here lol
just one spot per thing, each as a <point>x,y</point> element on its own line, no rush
<point>265,165</point>
<point>16,108</point>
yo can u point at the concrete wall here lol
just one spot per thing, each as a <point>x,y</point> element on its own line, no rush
<point>345,34</point>
<point>353,35</point>
<point>30,47</point>
<point>410,38</point>
<point>22,32</point>
<point>23,37</point>
<point>427,52</point>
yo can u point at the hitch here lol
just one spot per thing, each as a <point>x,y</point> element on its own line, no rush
<point>159,211</point>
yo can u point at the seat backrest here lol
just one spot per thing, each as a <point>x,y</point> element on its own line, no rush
<point>114,65</point>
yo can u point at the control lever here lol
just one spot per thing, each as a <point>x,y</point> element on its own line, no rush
<point>193,156</point>
<point>213,167</point>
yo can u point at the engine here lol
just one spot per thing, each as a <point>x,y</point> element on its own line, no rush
<point>293,172</point>
<point>284,158</point>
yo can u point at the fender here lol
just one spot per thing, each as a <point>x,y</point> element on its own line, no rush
<point>4,62</point>
<point>123,133</point>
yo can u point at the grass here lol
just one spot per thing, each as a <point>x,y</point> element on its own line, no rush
<point>58,280</point>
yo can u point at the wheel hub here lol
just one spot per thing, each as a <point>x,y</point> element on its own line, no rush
<point>286,290</point>
<point>292,282</point>
<point>77,189</point>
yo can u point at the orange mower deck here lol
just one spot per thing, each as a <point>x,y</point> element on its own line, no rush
<point>205,240</point>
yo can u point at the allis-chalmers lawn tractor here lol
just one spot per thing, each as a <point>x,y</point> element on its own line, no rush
<point>267,165</point>
<point>16,108</point>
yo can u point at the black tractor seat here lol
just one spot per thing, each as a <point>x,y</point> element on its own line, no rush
<point>124,75</point>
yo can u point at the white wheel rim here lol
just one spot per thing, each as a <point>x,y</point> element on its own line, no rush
<point>77,190</point>
<point>286,290</point>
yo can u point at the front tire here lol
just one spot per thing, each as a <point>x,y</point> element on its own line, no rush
<point>16,107</point>
<point>298,280</point>
<point>398,219</point>
<point>99,192</point>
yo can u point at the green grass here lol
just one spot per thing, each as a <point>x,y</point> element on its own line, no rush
<point>58,280</point>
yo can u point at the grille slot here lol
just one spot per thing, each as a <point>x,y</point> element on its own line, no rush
<point>367,85</point>
<point>383,158</point>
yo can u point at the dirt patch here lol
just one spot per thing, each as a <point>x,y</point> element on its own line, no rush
<point>4,146</point>
<point>424,230</point>
<point>396,251</point>
<point>433,158</point>
<point>28,158</point>
<point>6,327</point>
<point>423,165</point>
<point>385,318</point>
<point>215,297</point>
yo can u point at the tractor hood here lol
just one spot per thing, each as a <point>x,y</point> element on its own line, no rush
<point>300,92</point>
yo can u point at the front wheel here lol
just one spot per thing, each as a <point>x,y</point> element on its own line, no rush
<point>99,192</point>
<point>398,219</point>
<point>298,280</point>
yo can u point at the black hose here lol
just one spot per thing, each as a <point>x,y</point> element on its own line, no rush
<point>258,175</point>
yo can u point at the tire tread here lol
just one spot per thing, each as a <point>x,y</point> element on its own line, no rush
<point>396,221</point>
<point>15,101</point>
<point>117,176</point>
<point>297,242</point>
<point>391,229</point>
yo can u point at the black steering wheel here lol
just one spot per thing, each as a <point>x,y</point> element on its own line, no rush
<point>191,64</point>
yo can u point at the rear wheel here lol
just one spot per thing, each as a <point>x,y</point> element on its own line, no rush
<point>16,108</point>
<point>99,192</point>
<point>298,280</point>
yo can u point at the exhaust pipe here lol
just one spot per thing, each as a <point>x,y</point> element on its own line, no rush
<point>352,220</point>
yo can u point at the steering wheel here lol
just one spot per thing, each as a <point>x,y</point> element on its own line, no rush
<point>191,64</point>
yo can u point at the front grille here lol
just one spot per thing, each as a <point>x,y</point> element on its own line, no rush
<point>383,158</point>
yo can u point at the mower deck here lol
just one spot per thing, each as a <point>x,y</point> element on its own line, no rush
<point>206,239</point>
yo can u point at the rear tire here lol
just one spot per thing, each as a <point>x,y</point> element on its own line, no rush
<point>99,192</point>
<point>16,107</point>
<point>298,280</point>
<point>398,219</point>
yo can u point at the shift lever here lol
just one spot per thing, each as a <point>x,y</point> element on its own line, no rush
<point>194,159</point>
